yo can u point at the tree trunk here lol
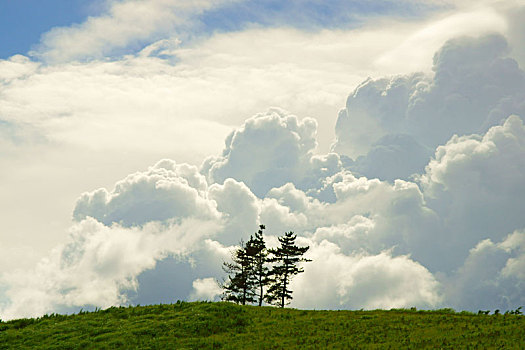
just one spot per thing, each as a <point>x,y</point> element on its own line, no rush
<point>285,280</point>
<point>243,292</point>
<point>284,283</point>
<point>283,291</point>
<point>260,292</point>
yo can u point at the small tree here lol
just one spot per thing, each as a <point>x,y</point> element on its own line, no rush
<point>240,286</point>
<point>286,257</point>
<point>256,248</point>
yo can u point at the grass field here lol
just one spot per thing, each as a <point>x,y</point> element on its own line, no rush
<point>207,325</point>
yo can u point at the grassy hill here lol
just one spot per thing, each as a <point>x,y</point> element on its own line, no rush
<point>223,325</point>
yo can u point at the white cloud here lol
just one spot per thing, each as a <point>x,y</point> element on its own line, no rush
<point>128,22</point>
<point>205,289</point>
<point>474,87</point>
<point>270,150</point>
<point>373,109</point>
<point>97,266</point>
<point>393,156</point>
<point>420,44</point>
<point>166,191</point>
<point>515,33</point>
<point>375,245</point>
<point>239,208</point>
<point>492,275</point>
<point>65,124</point>
<point>476,184</point>
<point>379,215</point>
<point>172,278</point>
<point>338,281</point>
<point>16,67</point>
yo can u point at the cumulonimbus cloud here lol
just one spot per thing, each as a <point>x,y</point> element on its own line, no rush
<point>166,191</point>
<point>418,241</point>
<point>270,150</point>
<point>398,121</point>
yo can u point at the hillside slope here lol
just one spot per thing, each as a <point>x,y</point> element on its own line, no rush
<point>225,325</point>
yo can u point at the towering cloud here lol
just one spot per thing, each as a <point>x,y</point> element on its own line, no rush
<point>363,281</point>
<point>491,275</point>
<point>450,235</point>
<point>97,266</point>
<point>474,86</point>
<point>270,150</point>
<point>475,183</point>
<point>166,191</point>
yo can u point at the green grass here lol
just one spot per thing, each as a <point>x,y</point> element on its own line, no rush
<point>223,325</point>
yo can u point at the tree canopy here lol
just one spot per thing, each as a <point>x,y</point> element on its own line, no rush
<point>258,274</point>
<point>285,259</point>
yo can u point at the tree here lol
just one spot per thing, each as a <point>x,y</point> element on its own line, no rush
<point>286,257</point>
<point>240,286</point>
<point>256,248</point>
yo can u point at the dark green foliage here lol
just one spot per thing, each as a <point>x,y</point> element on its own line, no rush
<point>205,325</point>
<point>240,285</point>
<point>248,271</point>
<point>256,248</point>
<point>249,275</point>
<point>285,259</point>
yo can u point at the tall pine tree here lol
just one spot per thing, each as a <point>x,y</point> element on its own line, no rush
<point>240,286</point>
<point>256,248</point>
<point>285,259</point>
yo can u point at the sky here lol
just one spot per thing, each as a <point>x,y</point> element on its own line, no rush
<point>140,140</point>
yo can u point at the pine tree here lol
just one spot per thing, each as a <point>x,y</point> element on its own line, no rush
<point>256,248</point>
<point>286,257</point>
<point>240,286</point>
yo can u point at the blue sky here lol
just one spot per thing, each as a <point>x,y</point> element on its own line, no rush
<point>307,15</point>
<point>22,22</point>
<point>139,146</point>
